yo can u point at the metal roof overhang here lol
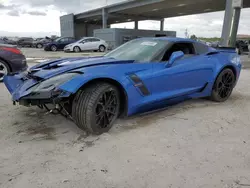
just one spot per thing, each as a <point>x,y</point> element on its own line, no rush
<point>152,10</point>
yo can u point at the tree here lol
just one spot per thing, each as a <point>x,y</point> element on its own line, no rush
<point>193,37</point>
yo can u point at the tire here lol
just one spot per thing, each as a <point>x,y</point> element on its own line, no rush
<point>102,48</point>
<point>53,48</point>
<point>223,86</point>
<point>89,110</point>
<point>39,46</point>
<point>77,49</point>
<point>4,69</point>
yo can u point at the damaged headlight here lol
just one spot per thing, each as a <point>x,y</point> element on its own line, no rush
<point>53,82</point>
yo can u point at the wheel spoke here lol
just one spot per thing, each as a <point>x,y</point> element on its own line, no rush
<point>104,98</point>
<point>107,117</point>
<point>110,112</point>
<point>98,120</point>
<point>106,108</point>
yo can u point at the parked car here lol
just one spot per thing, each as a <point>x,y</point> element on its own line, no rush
<point>58,44</point>
<point>141,75</point>
<point>8,41</point>
<point>11,60</point>
<point>37,39</point>
<point>241,46</point>
<point>42,42</point>
<point>87,44</point>
<point>2,41</point>
<point>25,42</point>
<point>215,44</point>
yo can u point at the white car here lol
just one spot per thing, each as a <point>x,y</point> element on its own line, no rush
<point>87,44</point>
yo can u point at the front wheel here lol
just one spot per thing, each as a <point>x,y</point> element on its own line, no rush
<point>223,86</point>
<point>39,46</point>
<point>96,108</point>
<point>53,48</point>
<point>77,49</point>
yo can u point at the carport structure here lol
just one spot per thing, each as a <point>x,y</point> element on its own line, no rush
<point>139,10</point>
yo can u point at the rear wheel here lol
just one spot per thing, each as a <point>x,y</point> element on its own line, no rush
<point>4,69</point>
<point>96,108</point>
<point>77,49</point>
<point>39,45</point>
<point>223,86</point>
<point>53,48</point>
<point>102,48</point>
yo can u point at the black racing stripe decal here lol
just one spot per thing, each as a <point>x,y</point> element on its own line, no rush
<point>139,84</point>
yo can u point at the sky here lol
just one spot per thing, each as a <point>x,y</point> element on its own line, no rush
<point>38,18</point>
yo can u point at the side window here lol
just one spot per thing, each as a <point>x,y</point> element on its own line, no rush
<point>95,40</point>
<point>87,40</point>
<point>64,40</point>
<point>201,48</point>
<point>186,48</point>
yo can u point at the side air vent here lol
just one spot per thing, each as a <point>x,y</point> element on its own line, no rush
<point>139,84</point>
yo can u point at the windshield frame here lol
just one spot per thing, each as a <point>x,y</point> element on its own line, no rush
<point>154,57</point>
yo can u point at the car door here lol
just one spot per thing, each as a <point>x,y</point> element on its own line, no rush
<point>186,76</point>
<point>86,44</point>
<point>95,43</point>
<point>62,43</point>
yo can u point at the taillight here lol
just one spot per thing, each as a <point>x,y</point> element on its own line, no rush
<point>14,50</point>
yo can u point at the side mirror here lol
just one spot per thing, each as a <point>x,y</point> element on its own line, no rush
<point>175,56</point>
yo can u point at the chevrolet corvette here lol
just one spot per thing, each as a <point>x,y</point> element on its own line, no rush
<point>139,76</point>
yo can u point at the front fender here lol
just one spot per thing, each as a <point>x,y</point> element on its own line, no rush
<point>76,83</point>
<point>133,96</point>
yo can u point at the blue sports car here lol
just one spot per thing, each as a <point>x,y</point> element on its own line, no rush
<point>139,76</point>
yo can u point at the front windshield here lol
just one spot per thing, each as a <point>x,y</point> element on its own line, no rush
<point>139,50</point>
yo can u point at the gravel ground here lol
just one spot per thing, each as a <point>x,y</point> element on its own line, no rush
<point>197,143</point>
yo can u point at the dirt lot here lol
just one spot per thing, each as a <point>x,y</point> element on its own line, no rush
<point>194,144</point>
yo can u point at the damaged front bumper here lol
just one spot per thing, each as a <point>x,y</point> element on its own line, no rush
<point>27,91</point>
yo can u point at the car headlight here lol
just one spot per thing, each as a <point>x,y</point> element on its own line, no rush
<point>52,83</point>
<point>236,60</point>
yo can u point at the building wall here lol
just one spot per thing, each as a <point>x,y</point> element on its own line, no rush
<point>116,37</point>
<point>80,30</point>
<point>67,25</point>
<point>91,28</point>
<point>85,30</point>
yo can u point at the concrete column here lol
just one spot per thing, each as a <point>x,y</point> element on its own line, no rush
<point>162,25</point>
<point>235,26</point>
<point>104,18</point>
<point>136,24</point>
<point>227,23</point>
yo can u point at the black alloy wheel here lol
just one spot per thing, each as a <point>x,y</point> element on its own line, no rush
<point>96,108</point>
<point>223,86</point>
<point>106,108</point>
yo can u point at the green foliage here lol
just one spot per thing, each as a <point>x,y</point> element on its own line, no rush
<point>214,39</point>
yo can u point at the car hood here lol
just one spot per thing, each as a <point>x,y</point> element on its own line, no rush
<point>52,68</point>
